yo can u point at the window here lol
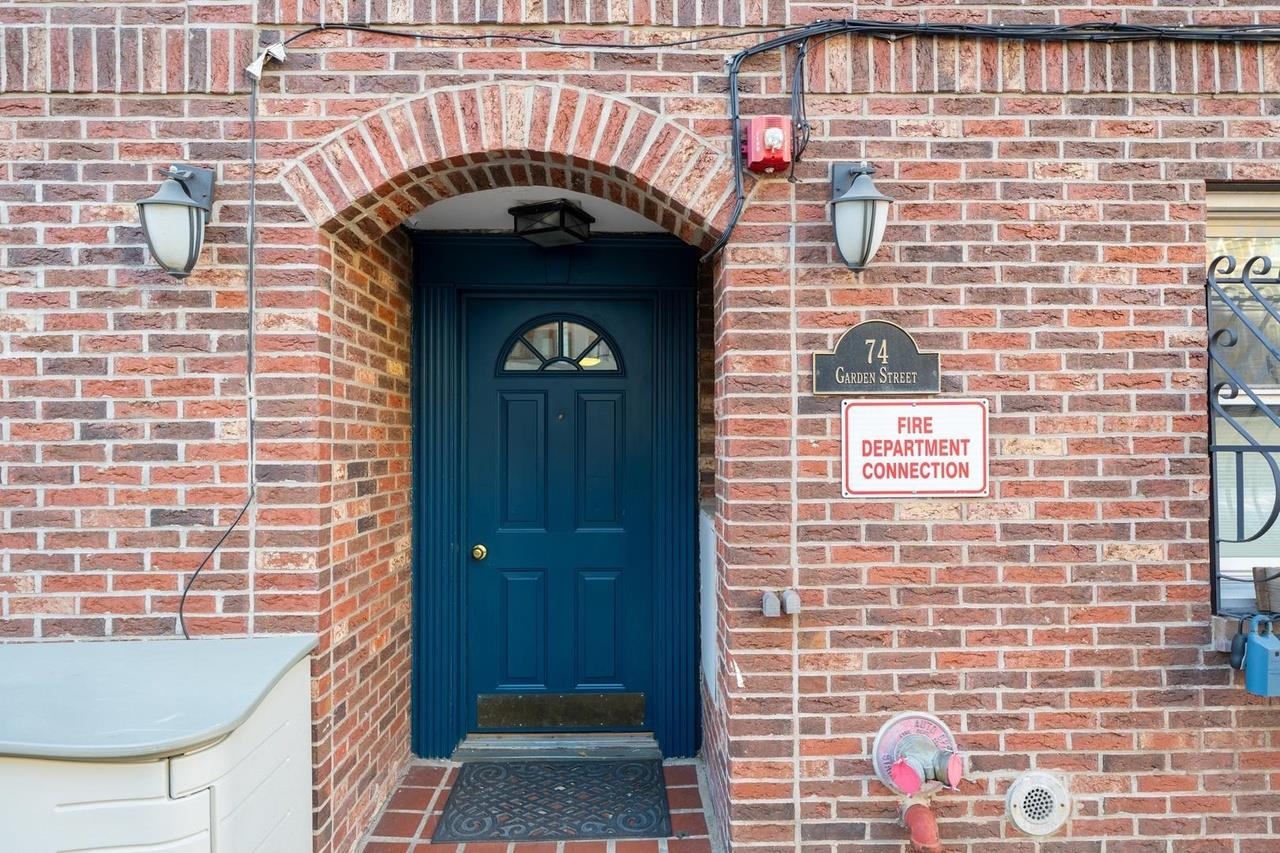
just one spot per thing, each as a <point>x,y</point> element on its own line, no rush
<point>1245,425</point>
<point>560,343</point>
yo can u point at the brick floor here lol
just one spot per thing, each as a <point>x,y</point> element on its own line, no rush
<point>409,817</point>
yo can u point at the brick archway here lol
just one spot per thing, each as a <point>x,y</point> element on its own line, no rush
<point>354,188</point>
<point>366,178</point>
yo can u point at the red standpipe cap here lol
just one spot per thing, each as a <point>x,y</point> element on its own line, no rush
<point>955,771</point>
<point>905,777</point>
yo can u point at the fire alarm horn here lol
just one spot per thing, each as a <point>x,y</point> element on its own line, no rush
<point>767,143</point>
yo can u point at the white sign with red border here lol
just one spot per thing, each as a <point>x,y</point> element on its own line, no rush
<point>904,448</point>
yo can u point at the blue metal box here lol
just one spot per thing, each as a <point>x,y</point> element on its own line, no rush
<point>1262,659</point>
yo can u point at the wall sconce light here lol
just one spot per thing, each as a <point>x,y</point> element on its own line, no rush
<point>859,212</point>
<point>552,223</point>
<point>173,219</point>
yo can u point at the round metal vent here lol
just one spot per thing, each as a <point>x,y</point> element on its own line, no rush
<point>1038,803</point>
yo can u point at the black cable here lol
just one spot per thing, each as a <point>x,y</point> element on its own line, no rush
<point>783,36</point>
<point>182,603</point>
<point>542,40</point>
<point>735,147</point>
<point>1096,32</point>
<point>1080,32</point>
<point>735,66</point>
<point>1241,616</point>
<point>799,115</point>
<point>251,240</point>
<point>1276,576</point>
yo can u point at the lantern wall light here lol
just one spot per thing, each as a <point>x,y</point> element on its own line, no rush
<point>859,212</point>
<point>173,219</point>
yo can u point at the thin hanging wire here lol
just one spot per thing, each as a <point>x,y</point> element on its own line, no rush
<point>250,399</point>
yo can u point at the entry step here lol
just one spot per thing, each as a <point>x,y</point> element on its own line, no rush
<point>500,747</point>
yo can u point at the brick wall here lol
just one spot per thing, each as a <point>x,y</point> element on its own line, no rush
<point>1047,239</point>
<point>369,605</point>
<point>1050,248</point>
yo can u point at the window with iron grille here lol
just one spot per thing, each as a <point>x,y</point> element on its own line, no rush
<point>1244,404</point>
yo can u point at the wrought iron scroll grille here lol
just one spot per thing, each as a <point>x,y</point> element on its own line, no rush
<point>1243,302</point>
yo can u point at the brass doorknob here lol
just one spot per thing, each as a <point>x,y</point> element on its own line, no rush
<point>479,552</point>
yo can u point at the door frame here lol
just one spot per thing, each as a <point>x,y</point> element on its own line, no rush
<point>447,267</point>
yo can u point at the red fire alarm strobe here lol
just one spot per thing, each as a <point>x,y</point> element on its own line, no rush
<point>767,143</point>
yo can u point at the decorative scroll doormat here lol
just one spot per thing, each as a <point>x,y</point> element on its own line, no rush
<point>555,800</point>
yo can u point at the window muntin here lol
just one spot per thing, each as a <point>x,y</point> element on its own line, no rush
<point>560,344</point>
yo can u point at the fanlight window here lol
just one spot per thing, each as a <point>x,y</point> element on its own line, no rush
<point>561,344</point>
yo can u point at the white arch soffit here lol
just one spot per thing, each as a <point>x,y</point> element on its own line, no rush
<point>486,210</point>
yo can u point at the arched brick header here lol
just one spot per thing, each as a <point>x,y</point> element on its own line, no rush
<point>366,178</point>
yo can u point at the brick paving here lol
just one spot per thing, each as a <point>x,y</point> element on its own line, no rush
<point>410,815</point>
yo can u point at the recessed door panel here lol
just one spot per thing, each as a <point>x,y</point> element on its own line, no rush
<point>597,629</point>
<point>600,449</point>
<point>523,462</point>
<point>523,629</point>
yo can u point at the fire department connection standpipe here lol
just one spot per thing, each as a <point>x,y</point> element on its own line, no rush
<point>915,755</point>
<point>923,827</point>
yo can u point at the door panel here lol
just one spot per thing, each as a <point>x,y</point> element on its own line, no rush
<point>601,448</point>
<point>598,625</point>
<point>523,628</point>
<point>559,482</point>
<point>523,462</point>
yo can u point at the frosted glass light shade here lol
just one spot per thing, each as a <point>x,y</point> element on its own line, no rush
<point>859,215</point>
<point>173,223</point>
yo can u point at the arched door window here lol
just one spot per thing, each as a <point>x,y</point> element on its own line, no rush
<point>560,343</point>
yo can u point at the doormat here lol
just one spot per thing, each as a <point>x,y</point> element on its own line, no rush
<point>555,800</point>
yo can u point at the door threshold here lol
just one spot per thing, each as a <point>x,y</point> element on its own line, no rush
<point>490,747</point>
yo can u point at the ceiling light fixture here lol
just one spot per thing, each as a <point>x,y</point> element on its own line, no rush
<point>552,223</point>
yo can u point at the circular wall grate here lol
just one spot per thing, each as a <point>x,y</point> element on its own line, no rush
<point>1038,803</point>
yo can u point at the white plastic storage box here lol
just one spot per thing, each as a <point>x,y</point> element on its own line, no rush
<point>180,746</point>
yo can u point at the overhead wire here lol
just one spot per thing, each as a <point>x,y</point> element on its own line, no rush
<point>1090,32</point>
<point>824,30</point>
<point>545,41</point>
<point>1098,32</point>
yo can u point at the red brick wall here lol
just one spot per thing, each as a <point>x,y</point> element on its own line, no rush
<point>1047,239</point>
<point>368,653</point>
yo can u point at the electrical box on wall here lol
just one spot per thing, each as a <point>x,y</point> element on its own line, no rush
<point>1262,659</point>
<point>766,143</point>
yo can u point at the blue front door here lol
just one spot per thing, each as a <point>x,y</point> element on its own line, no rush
<point>558,513</point>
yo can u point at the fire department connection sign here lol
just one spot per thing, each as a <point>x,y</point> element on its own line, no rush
<point>897,448</point>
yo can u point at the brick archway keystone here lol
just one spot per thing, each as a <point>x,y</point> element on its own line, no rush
<point>366,178</point>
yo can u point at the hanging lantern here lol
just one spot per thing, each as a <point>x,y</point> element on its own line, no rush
<point>859,212</point>
<point>173,219</point>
